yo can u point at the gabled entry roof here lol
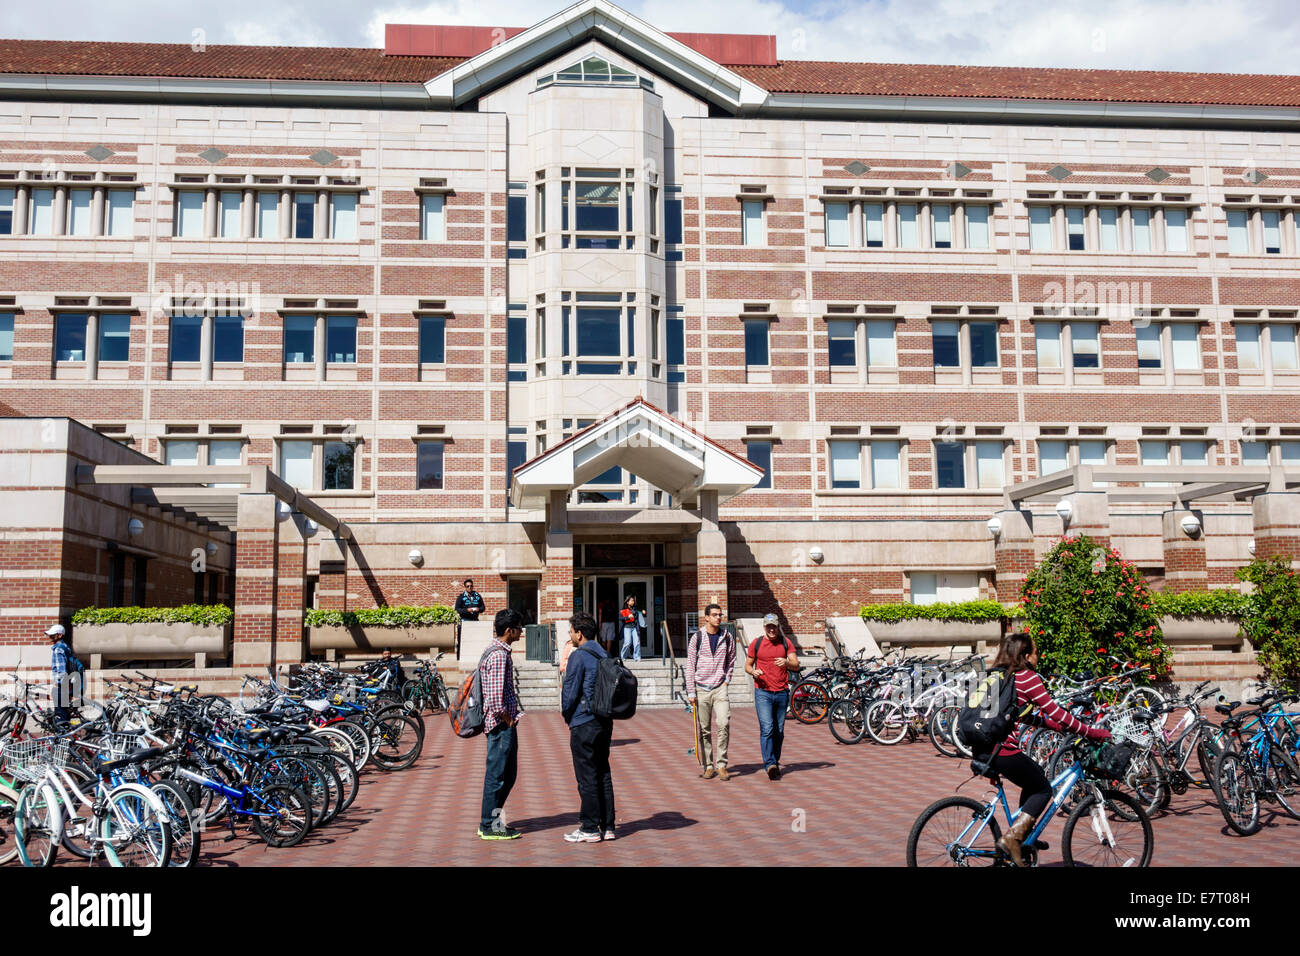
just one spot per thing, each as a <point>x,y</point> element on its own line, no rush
<point>646,441</point>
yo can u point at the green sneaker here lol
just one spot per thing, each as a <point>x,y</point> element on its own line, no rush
<point>510,833</point>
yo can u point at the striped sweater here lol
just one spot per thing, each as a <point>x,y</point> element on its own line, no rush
<point>1031,694</point>
<point>706,668</point>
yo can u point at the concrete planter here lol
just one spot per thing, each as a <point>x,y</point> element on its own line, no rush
<point>1221,632</point>
<point>920,632</point>
<point>368,639</point>
<point>151,641</point>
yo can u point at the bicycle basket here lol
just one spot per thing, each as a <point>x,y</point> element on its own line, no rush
<point>1127,727</point>
<point>28,760</point>
<point>122,745</point>
<point>1113,760</point>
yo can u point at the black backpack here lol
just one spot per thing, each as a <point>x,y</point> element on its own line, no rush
<point>615,695</point>
<point>990,712</point>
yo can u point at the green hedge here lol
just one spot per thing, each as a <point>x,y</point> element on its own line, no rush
<point>200,615</point>
<point>401,616</point>
<point>1218,603</point>
<point>971,612</point>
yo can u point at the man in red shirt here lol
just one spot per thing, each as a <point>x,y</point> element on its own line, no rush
<point>769,661</point>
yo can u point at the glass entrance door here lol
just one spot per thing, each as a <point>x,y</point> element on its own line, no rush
<point>606,595</point>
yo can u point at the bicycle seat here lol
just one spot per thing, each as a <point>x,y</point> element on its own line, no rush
<point>319,706</point>
<point>1226,709</point>
<point>261,735</point>
<point>137,757</point>
<point>980,768</point>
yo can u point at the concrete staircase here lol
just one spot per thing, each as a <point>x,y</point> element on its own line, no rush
<point>539,685</point>
<point>658,683</point>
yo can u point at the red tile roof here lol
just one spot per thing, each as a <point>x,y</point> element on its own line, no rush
<point>1001,82</point>
<point>364,65</point>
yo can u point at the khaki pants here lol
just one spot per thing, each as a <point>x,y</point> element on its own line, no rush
<point>712,702</point>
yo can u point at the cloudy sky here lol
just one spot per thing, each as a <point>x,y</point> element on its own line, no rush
<point>1247,36</point>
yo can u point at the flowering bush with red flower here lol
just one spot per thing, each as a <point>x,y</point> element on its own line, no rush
<point>1084,603</point>
<point>1272,617</point>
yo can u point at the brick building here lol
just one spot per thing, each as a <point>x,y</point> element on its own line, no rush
<point>586,309</point>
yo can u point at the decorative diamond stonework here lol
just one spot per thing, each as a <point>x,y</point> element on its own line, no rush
<point>1157,175</point>
<point>212,155</point>
<point>857,168</point>
<point>323,157</point>
<point>99,153</point>
<point>1058,172</point>
<point>958,170</point>
<point>1254,176</point>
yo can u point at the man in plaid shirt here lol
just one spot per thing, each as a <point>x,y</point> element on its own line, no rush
<point>501,711</point>
<point>60,691</point>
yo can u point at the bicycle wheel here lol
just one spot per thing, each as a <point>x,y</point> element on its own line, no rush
<point>363,744</point>
<point>1283,780</point>
<point>337,741</point>
<point>8,804</point>
<point>1109,837</point>
<point>945,835</point>
<point>1148,781</point>
<point>349,779</point>
<point>1149,698</point>
<point>399,740</point>
<point>282,815</point>
<point>1236,790</point>
<point>184,823</point>
<point>845,719</point>
<point>941,725</point>
<point>79,836</point>
<point>137,829</point>
<point>1042,743</point>
<point>809,701</point>
<point>305,776</point>
<point>414,696</point>
<point>1065,755</point>
<point>886,722</point>
<point>38,825</point>
<point>440,701</point>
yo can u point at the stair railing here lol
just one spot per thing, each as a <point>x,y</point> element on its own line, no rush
<point>673,666</point>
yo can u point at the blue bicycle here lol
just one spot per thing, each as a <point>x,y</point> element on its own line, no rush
<point>1105,828</point>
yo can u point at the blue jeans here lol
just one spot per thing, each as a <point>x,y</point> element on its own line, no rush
<point>631,644</point>
<point>499,778</point>
<point>771,722</point>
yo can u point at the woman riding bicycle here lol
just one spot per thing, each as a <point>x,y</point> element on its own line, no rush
<point>1019,656</point>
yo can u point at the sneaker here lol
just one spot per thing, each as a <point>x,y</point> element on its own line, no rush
<point>609,834</point>
<point>582,836</point>
<point>774,772</point>
<point>709,774</point>
<point>722,773</point>
<point>509,833</point>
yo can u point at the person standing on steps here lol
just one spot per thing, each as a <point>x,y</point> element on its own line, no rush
<point>769,661</point>
<point>710,661</point>
<point>589,735</point>
<point>631,621</point>
<point>469,603</point>
<point>501,713</point>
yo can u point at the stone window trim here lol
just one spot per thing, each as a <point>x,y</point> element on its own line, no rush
<point>203,436</point>
<point>93,307</point>
<point>964,317</point>
<point>962,435</point>
<point>321,309</point>
<point>547,214</point>
<point>250,185</point>
<point>866,477</point>
<point>1125,202</point>
<point>925,199</point>
<point>1255,206</point>
<point>319,435</point>
<point>99,182</point>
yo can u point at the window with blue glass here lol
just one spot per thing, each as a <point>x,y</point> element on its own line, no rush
<point>759,454</point>
<point>186,338</point>
<point>516,455</point>
<point>428,466</point>
<point>341,338</point>
<point>676,331</point>
<point>433,339</point>
<point>984,344</point>
<point>228,338</point>
<point>673,228</point>
<point>114,338</point>
<point>516,218</point>
<point>304,215</point>
<point>756,335</point>
<point>842,345</point>
<point>6,336</point>
<point>299,339</point>
<point>946,342</point>
<point>950,464</point>
<point>70,338</point>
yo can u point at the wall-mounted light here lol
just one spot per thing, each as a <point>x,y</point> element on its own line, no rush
<point>415,557</point>
<point>135,527</point>
<point>1191,525</point>
<point>816,555</point>
<point>310,527</point>
<point>1065,509</point>
<point>1250,545</point>
<point>282,510</point>
<point>211,547</point>
<point>995,527</point>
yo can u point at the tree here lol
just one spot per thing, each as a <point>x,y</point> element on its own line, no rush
<point>1272,617</point>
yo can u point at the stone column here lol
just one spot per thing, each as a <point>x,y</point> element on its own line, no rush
<point>290,591</point>
<point>1185,567</point>
<point>205,346</point>
<point>1013,553</point>
<point>256,538</point>
<point>710,557</point>
<point>332,588</point>
<point>1277,525</point>
<point>1091,516</point>
<point>557,576</point>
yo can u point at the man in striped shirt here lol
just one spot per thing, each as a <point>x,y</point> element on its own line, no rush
<point>710,659</point>
<point>501,711</point>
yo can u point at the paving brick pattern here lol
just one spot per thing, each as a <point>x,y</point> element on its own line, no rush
<point>858,802</point>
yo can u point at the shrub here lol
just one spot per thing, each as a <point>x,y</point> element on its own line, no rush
<point>973,612</point>
<point>401,616</point>
<point>1272,617</point>
<point>1084,603</point>
<point>1218,603</point>
<point>200,615</point>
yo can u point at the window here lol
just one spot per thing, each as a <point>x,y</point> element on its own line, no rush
<point>299,339</point>
<point>6,336</point>
<point>181,452</point>
<point>1117,227</point>
<point>596,208</point>
<point>1238,232</point>
<point>230,222</point>
<point>1186,346</point>
<point>516,455</point>
<point>1053,456</point>
<point>1087,344</point>
<point>1141,230</point>
<point>1149,350</point>
<point>874,213</point>
<point>846,464</point>
<point>837,224</point>
<point>429,466</point>
<point>228,338</point>
<point>226,452</point>
<point>7,199</point>
<point>909,236</point>
<point>1058,454</point>
<point>114,338</point>
<point>79,201</point>
<point>753,226</point>
<point>268,215</point>
<point>41,218</point>
<point>1154,452</point>
<point>946,342</point>
<point>1047,344</point>
<point>756,344</point>
<point>1254,452</point>
<point>842,335</point>
<point>433,220</point>
<point>1040,228</point>
<point>186,338</point>
<point>759,454</point>
<point>341,338</point>
<point>988,464</point>
<point>1074,233</point>
<point>189,213</point>
<point>977,227</point>
<point>1194,452</point>
<point>949,351</point>
<point>673,227</point>
<point>886,468</point>
<point>304,215</point>
<point>1272,222</point>
<point>343,216</point>
<point>296,463</point>
<point>433,339</point>
<point>950,464</point>
<point>1176,230</point>
<point>70,337</point>
<point>984,344</point>
<point>336,466</point>
<point>881,350</point>
<point>1261,231</point>
<point>1266,348</point>
<point>1282,347</point>
<point>594,69</point>
<point>941,216</point>
<point>516,218</point>
<point>1248,350</point>
<point>676,354</point>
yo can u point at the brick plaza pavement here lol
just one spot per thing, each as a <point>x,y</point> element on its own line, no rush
<point>858,805</point>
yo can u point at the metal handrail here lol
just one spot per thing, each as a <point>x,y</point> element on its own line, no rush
<point>672,658</point>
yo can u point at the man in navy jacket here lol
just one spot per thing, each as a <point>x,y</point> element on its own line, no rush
<point>589,735</point>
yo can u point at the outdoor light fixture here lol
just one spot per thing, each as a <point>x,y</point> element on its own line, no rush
<point>1191,525</point>
<point>1065,509</point>
<point>1250,546</point>
<point>211,547</point>
<point>282,510</point>
<point>816,555</point>
<point>135,527</point>
<point>415,557</point>
<point>995,527</point>
<point>310,527</point>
